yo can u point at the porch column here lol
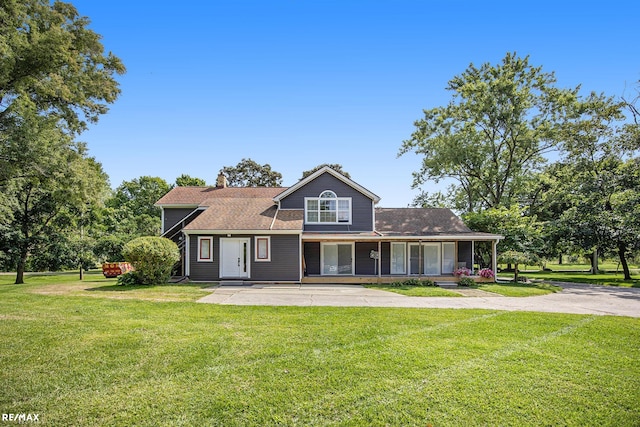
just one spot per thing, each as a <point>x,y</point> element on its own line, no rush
<point>379,260</point>
<point>473,256</point>
<point>494,257</point>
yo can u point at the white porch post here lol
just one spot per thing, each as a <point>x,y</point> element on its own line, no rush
<point>379,260</point>
<point>494,257</point>
<point>473,256</point>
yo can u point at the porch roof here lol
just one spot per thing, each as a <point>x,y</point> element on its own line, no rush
<point>373,236</point>
<point>418,222</point>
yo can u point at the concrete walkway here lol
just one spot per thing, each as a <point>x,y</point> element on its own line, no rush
<point>575,298</point>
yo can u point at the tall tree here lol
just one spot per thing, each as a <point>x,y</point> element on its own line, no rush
<point>248,173</point>
<point>600,182</point>
<point>53,63</point>
<point>57,184</point>
<point>335,166</point>
<point>493,133</point>
<point>139,195</point>
<point>127,214</point>
<point>185,180</point>
<point>54,79</point>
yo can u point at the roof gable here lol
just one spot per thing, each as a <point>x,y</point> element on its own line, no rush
<point>300,184</point>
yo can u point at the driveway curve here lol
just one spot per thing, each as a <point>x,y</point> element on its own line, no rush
<point>574,298</point>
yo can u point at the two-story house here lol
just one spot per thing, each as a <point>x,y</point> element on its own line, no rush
<point>324,228</point>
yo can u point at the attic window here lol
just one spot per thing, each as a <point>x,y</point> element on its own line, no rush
<point>328,209</point>
<point>328,195</point>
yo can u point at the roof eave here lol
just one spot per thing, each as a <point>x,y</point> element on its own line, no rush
<point>404,237</point>
<point>241,231</point>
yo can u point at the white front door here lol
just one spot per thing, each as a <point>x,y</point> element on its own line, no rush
<point>234,257</point>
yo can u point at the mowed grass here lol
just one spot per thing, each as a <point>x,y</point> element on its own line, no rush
<point>79,360</point>
<point>607,279</point>
<point>413,291</point>
<point>96,285</point>
<point>504,289</point>
<point>610,275</point>
<point>520,289</point>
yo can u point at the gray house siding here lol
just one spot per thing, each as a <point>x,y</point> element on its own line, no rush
<point>284,264</point>
<point>204,271</point>
<point>361,205</point>
<point>385,257</point>
<point>285,260</point>
<point>172,216</point>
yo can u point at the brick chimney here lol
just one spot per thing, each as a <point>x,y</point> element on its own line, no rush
<point>221,181</point>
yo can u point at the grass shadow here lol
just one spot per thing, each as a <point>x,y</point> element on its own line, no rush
<point>128,288</point>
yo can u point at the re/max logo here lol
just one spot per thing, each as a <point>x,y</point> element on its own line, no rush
<point>21,418</point>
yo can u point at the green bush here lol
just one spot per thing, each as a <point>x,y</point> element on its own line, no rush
<point>466,281</point>
<point>427,282</point>
<point>152,258</point>
<point>127,279</point>
<point>413,282</point>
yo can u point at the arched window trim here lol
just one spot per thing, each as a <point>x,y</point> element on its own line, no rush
<point>328,194</point>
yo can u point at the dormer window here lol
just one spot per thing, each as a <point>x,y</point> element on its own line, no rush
<point>328,209</point>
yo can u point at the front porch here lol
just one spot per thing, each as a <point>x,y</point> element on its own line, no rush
<point>384,260</point>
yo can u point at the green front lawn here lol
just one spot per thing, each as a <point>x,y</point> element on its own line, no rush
<point>611,274</point>
<point>504,289</point>
<point>96,285</point>
<point>414,291</point>
<point>88,358</point>
<point>607,279</point>
<point>519,289</point>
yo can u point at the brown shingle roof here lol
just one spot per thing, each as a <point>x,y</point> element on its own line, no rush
<point>418,222</point>
<point>195,196</point>
<point>289,220</point>
<point>245,213</point>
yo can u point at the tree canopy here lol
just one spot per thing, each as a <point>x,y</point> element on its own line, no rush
<point>53,64</point>
<point>248,173</point>
<point>335,166</point>
<point>54,79</point>
<point>185,180</point>
<point>493,133</point>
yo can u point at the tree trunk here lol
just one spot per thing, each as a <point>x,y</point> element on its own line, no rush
<point>594,262</point>
<point>22,263</point>
<point>560,260</point>
<point>515,275</point>
<point>623,260</point>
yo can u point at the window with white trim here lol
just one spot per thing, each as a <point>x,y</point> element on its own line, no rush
<point>263,248</point>
<point>327,209</point>
<point>205,248</point>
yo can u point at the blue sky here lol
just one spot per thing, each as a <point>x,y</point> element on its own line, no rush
<point>298,83</point>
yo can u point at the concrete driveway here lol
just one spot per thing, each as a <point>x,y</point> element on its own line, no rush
<point>574,298</point>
